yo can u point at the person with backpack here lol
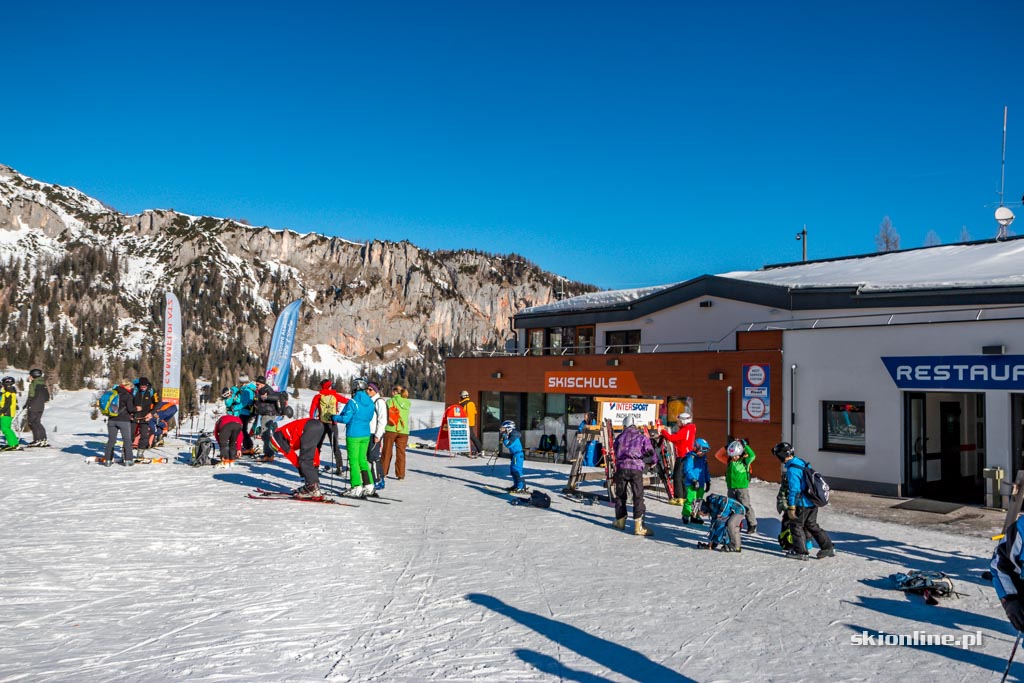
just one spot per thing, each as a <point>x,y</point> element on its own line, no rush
<point>396,433</point>
<point>513,441</point>
<point>725,516</point>
<point>357,416</point>
<point>1006,573</point>
<point>324,406</point>
<point>801,512</point>
<point>697,479</point>
<point>8,409</point>
<point>119,422</point>
<point>145,403</point>
<point>228,435</point>
<point>297,441</point>
<point>246,409</point>
<point>682,443</point>
<point>738,456</point>
<point>781,503</point>
<point>378,427</point>
<point>633,453</point>
<point>38,395</point>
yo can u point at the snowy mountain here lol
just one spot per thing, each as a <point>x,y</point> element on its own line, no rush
<point>89,291</point>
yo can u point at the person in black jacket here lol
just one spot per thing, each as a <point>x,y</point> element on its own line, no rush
<point>38,395</point>
<point>121,423</point>
<point>145,403</point>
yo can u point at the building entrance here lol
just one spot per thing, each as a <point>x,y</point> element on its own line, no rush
<point>945,446</point>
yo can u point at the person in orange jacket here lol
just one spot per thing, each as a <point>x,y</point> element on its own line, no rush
<point>324,406</point>
<point>682,441</point>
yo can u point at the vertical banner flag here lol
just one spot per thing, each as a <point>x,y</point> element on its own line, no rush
<point>171,391</point>
<point>279,363</point>
<point>756,395</point>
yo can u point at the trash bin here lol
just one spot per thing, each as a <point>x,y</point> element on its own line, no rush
<point>994,491</point>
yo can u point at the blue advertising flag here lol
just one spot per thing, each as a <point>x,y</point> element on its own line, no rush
<point>279,363</point>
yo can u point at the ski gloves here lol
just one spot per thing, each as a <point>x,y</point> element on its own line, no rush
<point>1014,611</point>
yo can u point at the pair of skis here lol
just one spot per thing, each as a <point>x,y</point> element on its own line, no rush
<point>100,460</point>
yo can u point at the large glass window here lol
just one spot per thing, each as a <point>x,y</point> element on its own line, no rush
<point>490,419</point>
<point>560,340</point>
<point>622,341</point>
<point>585,340</point>
<point>843,426</point>
<point>535,342</point>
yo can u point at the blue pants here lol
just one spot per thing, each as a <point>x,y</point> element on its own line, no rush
<point>516,468</point>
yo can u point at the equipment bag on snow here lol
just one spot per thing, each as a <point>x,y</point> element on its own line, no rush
<point>930,584</point>
<point>202,451</point>
<point>816,488</point>
<point>328,407</point>
<point>109,402</point>
<point>539,499</point>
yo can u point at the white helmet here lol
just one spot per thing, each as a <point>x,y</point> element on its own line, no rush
<point>464,394</point>
<point>628,421</point>
<point>507,426</point>
<point>684,419</point>
<point>735,449</point>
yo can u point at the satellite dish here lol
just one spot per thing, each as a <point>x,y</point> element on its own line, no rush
<point>1004,216</point>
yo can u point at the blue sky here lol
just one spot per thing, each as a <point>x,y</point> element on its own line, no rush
<point>623,144</point>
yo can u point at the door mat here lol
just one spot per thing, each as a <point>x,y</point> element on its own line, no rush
<point>926,505</point>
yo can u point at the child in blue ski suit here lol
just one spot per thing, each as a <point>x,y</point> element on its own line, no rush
<point>697,480</point>
<point>512,440</point>
<point>726,516</point>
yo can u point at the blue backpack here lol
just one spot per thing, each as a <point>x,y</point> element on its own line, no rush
<point>109,403</point>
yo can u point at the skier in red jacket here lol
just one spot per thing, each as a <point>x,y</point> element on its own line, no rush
<point>297,441</point>
<point>682,441</point>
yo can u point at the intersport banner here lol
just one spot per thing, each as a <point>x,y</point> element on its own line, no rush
<point>279,363</point>
<point>171,391</point>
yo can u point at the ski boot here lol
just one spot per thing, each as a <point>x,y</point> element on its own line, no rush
<point>620,523</point>
<point>826,552</point>
<point>639,529</point>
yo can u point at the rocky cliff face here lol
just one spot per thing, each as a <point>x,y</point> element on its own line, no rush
<point>375,303</point>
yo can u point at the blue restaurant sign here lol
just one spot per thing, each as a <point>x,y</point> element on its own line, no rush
<point>930,373</point>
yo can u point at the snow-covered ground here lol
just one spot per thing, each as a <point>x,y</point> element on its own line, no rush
<point>169,573</point>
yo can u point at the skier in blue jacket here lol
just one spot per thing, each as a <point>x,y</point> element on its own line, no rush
<point>357,416</point>
<point>697,480</point>
<point>1006,573</point>
<point>726,516</point>
<point>512,440</point>
<point>801,513</point>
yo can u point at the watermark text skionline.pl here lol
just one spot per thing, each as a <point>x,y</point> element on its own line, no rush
<point>965,641</point>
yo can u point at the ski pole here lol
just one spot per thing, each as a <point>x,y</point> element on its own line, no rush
<point>1010,660</point>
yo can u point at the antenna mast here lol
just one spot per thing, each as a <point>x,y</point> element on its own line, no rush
<point>1002,172</point>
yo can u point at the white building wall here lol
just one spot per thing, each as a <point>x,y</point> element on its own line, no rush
<point>845,365</point>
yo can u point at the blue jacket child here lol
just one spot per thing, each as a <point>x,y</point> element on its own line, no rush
<point>512,440</point>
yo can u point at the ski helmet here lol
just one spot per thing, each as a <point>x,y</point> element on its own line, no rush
<point>225,392</point>
<point>507,426</point>
<point>735,449</point>
<point>628,421</point>
<point>7,381</point>
<point>359,384</point>
<point>684,419</point>
<point>782,450</point>
<point>35,373</point>
<point>701,446</point>
<point>464,394</point>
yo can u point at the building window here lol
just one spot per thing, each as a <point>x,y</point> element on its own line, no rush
<point>843,426</point>
<point>535,342</point>
<point>622,341</point>
<point>585,340</point>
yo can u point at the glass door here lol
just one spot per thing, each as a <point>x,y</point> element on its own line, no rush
<point>915,445</point>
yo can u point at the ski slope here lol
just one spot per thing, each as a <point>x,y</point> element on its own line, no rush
<point>169,573</point>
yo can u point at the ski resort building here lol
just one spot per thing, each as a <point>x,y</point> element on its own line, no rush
<point>897,373</point>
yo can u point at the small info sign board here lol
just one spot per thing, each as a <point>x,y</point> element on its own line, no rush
<point>458,434</point>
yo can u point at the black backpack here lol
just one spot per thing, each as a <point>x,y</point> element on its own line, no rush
<point>202,451</point>
<point>539,499</point>
<point>816,488</point>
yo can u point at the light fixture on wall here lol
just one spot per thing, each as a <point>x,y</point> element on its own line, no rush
<point>994,350</point>
<point>707,303</point>
<point>496,375</point>
<point>569,363</point>
<point>717,376</point>
<point>613,361</point>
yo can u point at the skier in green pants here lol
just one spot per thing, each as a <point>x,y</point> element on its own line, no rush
<point>8,407</point>
<point>698,480</point>
<point>356,417</point>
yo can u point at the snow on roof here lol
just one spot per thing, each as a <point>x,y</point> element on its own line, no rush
<point>984,264</point>
<point>970,265</point>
